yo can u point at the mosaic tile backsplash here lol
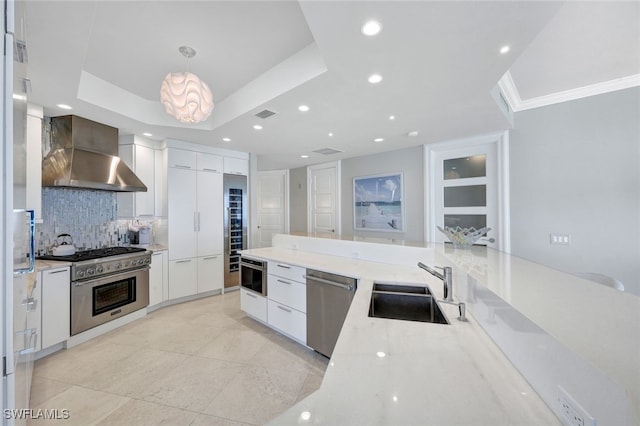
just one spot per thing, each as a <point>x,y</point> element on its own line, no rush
<point>90,217</point>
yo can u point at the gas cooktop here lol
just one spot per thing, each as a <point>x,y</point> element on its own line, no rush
<point>94,254</point>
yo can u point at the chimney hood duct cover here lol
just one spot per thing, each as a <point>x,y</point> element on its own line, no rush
<point>84,154</point>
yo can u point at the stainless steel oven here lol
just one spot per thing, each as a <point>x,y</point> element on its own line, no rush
<point>106,284</point>
<point>97,301</point>
<point>253,275</point>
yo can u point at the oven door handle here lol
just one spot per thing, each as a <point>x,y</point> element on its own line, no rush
<point>249,265</point>
<point>93,280</point>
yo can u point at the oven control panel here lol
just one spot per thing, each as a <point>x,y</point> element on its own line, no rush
<point>108,265</point>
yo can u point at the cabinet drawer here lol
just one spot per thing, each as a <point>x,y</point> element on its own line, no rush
<point>295,273</point>
<point>288,320</point>
<point>181,158</point>
<point>209,162</point>
<point>288,292</point>
<point>253,304</point>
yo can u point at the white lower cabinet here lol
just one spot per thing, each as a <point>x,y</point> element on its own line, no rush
<point>288,320</point>
<point>183,278</point>
<point>158,279</point>
<point>188,277</point>
<point>288,292</point>
<point>287,300</point>
<point>210,273</point>
<point>34,311</point>
<point>56,306</point>
<point>253,304</point>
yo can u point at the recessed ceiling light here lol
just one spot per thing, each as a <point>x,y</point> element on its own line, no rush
<point>392,117</point>
<point>257,127</point>
<point>147,134</point>
<point>304,156</point>
<point>303,108</point>
<point>63,106</point>
<point>371,28</point>
<point>381,354</point>
<point>505,49</point>
<point>375,78</point>
<point>18,97</point>
<point>330,134</point>
<point>413,133</point>
<point>378,140</point>
<point>226,140</point>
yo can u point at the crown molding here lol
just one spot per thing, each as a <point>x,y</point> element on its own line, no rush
<point>510,92</point>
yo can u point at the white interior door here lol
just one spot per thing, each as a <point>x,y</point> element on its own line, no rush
<point>323,198</point>
<point>273,205</point>
<point>466,189</point>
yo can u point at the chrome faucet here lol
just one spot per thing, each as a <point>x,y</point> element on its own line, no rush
<point>447,280</point>
<point>446,277</point>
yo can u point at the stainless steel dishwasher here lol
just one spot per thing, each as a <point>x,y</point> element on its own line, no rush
<point>328,299</point>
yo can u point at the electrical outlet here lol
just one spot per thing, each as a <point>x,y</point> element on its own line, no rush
<point>573,414</point>
<point>564,239</point>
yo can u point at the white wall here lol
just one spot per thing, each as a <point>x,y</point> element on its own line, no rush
<point>409,161</point>
<point>575,169</point>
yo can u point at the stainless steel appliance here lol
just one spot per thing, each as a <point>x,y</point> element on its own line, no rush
<point>329,297</point>
<point>106,284</point>
<point>253,275</point>
<point>18,304</point>
<point>84,154</point>
<point>235,226</point>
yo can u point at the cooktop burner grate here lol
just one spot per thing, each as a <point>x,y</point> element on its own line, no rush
<point>94,254</point>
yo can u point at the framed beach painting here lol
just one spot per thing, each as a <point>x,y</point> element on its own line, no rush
<point>378,203</point>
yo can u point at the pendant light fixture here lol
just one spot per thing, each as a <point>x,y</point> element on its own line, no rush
<point>184,95</point>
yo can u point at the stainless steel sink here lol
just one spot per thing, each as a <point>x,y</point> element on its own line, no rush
<point>405,302</point>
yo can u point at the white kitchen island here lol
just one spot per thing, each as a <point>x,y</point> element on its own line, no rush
<point>504,366</point>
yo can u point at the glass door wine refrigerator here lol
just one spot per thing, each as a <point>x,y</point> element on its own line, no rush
<point>235,226</point>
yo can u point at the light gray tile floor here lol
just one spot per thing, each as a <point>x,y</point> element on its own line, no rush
<point>197,363</point>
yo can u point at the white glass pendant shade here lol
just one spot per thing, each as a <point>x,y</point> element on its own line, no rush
<point>186,97</point>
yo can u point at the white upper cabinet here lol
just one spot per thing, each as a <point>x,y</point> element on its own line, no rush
<point>209,162</point>
<point>141,160</point>
<point>160,160</point>
<point>182,213</point>
<point>181,158</point>
<point>236,166</point>
<point>209,213</point>
<point>34,156</point>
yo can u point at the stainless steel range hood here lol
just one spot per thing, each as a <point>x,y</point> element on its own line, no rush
<point>84,154</point>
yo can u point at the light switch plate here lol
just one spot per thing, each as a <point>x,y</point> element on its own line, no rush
<point>563,239</point>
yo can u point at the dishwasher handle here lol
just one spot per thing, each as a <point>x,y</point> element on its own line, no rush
<point>335,284</point>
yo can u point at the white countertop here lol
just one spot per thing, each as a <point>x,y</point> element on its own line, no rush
<point>429,374</point>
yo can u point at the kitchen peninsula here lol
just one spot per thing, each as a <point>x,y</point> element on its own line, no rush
<point>532,339</point>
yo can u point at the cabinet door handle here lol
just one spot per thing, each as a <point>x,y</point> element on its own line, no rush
<point>209,170</point>
<point>157,254</point>
<point>57,272</point>
<point>284,266</point>
<point>183,261</point>
<point>181,166</point>
<point>198,221</point>
<point>210,257</point>
<point>251,295</point>
<point>284,282</point>
<point>30,303</point>
<point>284,309</point>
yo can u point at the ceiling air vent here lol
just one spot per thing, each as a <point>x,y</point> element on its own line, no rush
<point>327,151</point>
<point>265,114</point>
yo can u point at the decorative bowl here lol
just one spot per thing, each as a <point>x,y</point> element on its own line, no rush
<point>463,237</point>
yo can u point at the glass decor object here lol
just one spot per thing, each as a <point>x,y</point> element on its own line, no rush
<point>463,237</point>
